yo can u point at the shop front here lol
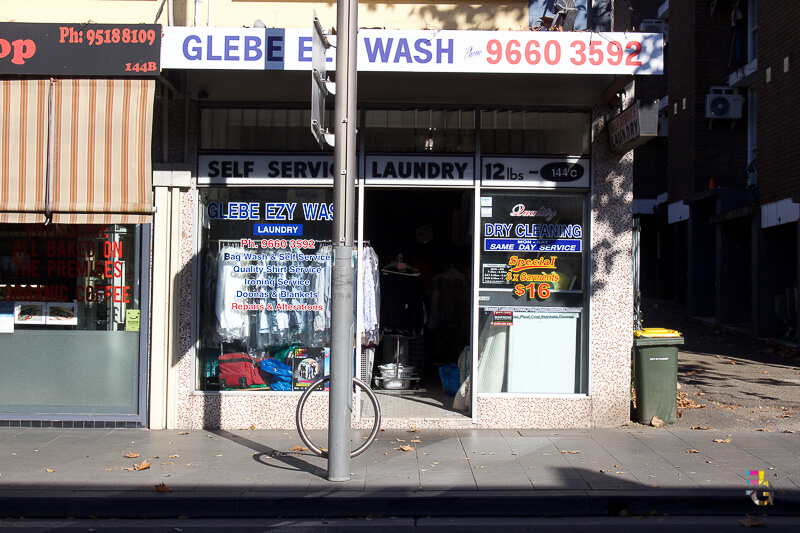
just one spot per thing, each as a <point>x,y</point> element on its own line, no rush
<point>75,213</point>
<point>492,256</point>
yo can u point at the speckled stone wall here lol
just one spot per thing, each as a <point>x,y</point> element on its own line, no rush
<point>611,316</point>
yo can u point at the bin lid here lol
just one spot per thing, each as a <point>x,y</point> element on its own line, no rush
<point>658,333</point>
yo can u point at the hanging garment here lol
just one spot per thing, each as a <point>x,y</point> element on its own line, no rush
<point>232,324</point>
<point>371,292</point>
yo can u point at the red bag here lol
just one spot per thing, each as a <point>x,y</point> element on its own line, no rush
<point>238,371</point>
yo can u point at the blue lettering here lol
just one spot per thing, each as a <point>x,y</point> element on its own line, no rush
<point>194,53</point>
<point>252,48</point>
<point>211,56</point>
<point>231,47</point>
<point>304,52</point>
<point>402,51</point>
<point>372,53</point>
<point>441,50</point>
<point>311,211</point>
<point>274,48</point>
<point>419,46</point>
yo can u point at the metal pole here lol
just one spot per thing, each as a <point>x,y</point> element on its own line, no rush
<point>342,332</point>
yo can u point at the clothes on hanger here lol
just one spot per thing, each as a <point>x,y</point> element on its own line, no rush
<point>232,324</point>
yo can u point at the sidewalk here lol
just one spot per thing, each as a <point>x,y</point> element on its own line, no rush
<point>57,473</point>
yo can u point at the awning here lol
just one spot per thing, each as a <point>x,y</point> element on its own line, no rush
<point>101,170</point>
<point>23,150</point>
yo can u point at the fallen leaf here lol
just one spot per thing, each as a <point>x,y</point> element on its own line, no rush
<point>788,431</point>
<point>699,427</point>
<point>762,429</point>
<point>298,449</point>
<point>785,416</point>
<point>131,455</point>
<point>126,468</point>
<point>692,451</point>
<point>48,470</point>
<point>413,430</point>
<point>252,426</point>
<point>752,521</point>
<point>183,433</point>
<point>566,452</point>
<point>415,440</point>
<point>144,465</point>
<point>161,487</point>
<point>109,469</point>
<point>722,440</point>
<point>656,422</point>
<point>733,362</point>
<point>173,456</point>
<point>405,448</point>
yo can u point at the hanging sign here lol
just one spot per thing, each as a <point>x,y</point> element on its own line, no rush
<point>634,126</point>
<point>80,49</point>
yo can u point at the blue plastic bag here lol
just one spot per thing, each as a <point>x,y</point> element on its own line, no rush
<point>279,375</point>
<point>451,378</point>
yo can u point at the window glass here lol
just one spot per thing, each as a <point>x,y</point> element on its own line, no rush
<point>71,318</point>
<point>534,133</point>
<point>531,293</point>
<point>266,265</point>
<point>420,131</point>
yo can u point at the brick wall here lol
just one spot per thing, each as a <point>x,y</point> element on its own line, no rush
<point>779,100</point>
<point>699,57</point>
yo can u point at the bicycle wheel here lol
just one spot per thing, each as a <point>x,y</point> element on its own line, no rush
<point>301,429</point>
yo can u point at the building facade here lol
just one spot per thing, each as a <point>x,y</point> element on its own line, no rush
<point>493,218</point>
<point>722,227</point>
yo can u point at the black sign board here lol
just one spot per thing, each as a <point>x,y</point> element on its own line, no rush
<point>80,49</point>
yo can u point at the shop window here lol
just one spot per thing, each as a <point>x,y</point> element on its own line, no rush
<point>420,131</point>
<point>71,319</point>
<point>531,295</point>
<point>258,129</point>
<point>534,133</point>
<point>265,300</point>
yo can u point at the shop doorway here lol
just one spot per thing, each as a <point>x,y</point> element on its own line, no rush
<point>423,241</point>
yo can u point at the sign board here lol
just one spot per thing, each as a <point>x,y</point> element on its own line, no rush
<point>634,126</point>
<point>379,50</point>
<point>230,169</point>
<point>419,170</point>
<point>80,49</point>
<point>535,172</point>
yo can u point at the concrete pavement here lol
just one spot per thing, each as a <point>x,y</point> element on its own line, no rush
<point>57,473</point>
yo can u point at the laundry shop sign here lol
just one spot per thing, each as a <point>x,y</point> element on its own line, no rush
<point>419,170</point>
<point>227,169</point>
<point>380,50</point>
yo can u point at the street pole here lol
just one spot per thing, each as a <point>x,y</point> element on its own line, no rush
<point>344,193</point>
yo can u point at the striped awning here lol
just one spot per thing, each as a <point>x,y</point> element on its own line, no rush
<point>23,150</point>
<point>101,169</point>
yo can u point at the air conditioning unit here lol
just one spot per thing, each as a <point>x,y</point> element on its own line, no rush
<point>655,26</point>
<point>723,102</point>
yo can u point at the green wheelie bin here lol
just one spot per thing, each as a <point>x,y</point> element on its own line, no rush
<point>655,374</point>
